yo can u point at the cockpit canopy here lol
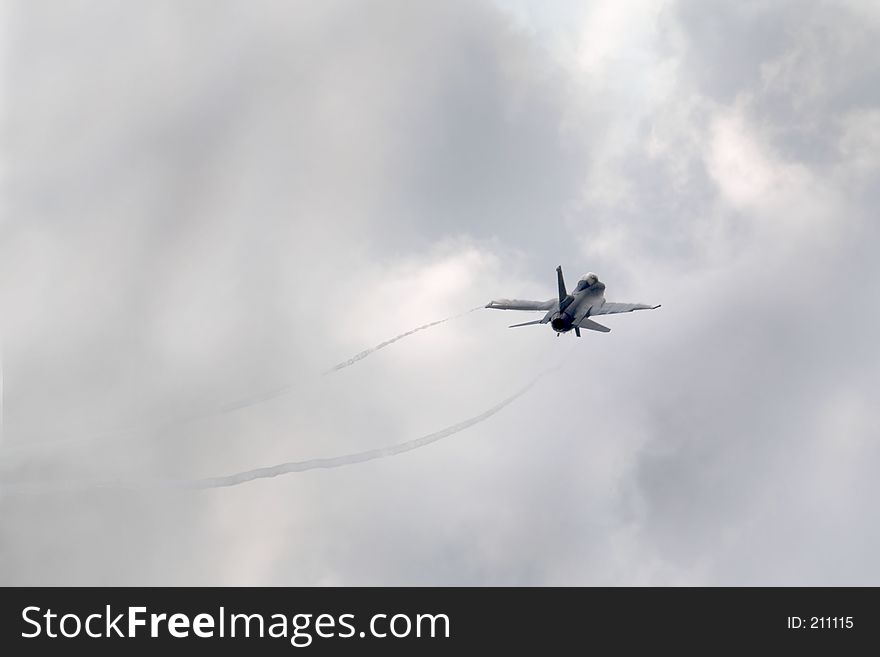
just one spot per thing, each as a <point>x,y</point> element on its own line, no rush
<point>586,281</point>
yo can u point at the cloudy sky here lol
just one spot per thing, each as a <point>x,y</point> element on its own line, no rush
<point>207,201</point>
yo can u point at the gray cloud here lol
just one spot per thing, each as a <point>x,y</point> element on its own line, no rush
<point>206,201</point>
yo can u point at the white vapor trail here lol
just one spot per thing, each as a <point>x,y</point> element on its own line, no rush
<point>283,390</point>
<point>382,345</point>
<point>267,472</point>
<point>359,457</point>
<point>227,407</point>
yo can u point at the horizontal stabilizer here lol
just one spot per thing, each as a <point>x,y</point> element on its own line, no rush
<point>537,321</point>
<point>593,326</point>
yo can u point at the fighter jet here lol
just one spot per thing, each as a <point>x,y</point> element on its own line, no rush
<point>572,311</point>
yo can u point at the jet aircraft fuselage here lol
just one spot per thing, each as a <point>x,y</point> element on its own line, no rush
<point>572,311</point>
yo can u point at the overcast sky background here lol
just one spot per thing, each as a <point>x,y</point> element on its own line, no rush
<point>207,200</point>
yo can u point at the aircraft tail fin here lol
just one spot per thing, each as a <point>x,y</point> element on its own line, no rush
<point>561,283</point>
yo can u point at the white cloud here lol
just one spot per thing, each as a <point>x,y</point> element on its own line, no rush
<point>199,215</point>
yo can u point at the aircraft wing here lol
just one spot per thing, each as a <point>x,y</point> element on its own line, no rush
<point>519,304</point>
<point>609,308</point>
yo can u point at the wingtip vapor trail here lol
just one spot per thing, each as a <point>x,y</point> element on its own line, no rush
<point>366,352</point>
<point>224,408</point>
<point>269,472</point>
